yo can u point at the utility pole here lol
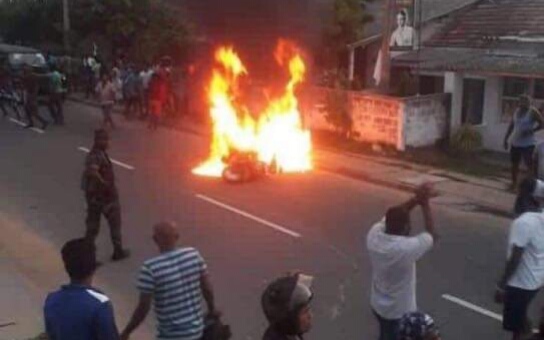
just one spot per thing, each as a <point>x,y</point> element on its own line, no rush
<point>66,25</point>
<point>385,83</point>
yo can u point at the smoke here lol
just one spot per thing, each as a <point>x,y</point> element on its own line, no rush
<point>254,26</point>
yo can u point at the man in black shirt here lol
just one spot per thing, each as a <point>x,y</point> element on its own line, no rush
<point>101,194</point>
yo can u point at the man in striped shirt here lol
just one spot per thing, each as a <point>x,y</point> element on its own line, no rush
<point>175,281</point>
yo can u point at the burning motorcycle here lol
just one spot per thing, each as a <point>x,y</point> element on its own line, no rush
<point>244,166</point>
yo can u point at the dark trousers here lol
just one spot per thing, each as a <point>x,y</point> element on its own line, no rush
<point>112,213</point>
<point>132,105</point>
<point>32,112</point>
<point>55,108</point>
<point>388,328</point>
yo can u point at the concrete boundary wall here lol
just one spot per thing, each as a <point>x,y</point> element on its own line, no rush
<point>398,122</point>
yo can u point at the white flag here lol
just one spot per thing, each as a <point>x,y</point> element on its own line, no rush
<point>378,69</point>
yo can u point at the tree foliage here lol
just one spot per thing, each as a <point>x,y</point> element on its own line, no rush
<point>142,29</point>
<point>345,27</point>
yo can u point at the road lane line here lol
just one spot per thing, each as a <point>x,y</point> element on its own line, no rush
<point>249,216</point>
<point>472,307</point>
<point>18,122</point>
<point>116,162</point>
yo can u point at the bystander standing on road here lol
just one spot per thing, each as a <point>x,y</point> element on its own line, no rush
<point>176,281</point>
<point>105,90</point>
<point>524,273</point>
<point>77,310</point>
<point>393,256</point>
<point>526,120</point>
<point>286,305</point>
<point>118,84</point>
<point>131,92</point>
<point>31,83</point>
<point>101,194</point>
<point>158,95</point>
<point>418,326</point>
<point>56,93</point>
<point>145,78</point>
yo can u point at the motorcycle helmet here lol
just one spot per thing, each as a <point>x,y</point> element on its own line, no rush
<point>284,298</point>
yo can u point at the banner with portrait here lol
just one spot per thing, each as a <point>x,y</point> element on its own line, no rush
<point>403,32</point>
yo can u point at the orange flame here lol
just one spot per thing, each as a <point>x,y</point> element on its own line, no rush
<point>277,135</point>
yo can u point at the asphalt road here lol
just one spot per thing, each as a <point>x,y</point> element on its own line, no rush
<point>249,234</point>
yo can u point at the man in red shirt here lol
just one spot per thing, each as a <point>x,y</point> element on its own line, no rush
<point>158,92</point>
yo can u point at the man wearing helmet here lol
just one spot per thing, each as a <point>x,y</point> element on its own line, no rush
<point>286,305</point>
<point>418,326</point>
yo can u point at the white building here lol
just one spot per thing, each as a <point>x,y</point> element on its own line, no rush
<point>486,56</point>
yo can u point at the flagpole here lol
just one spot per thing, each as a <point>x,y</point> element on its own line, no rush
<point>385,83</point>
<point>66,25</point>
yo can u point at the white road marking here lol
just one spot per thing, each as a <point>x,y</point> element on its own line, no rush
<point>18,122</point>
<point>116,162</point>
<point>472,307</point>
<point>249,216</point>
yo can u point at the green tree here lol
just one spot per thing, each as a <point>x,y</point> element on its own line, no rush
<point>144,29</point>
<point>346,26</point>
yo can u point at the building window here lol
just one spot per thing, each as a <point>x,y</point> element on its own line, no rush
<point>473,101</point>
<point>431,85</point>
<point>512,89</point>
<point>538,93</point>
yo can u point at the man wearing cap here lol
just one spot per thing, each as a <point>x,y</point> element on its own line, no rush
<point>77,310</point>
<point>393,255</point>
<point>286,305</point>
<point>101,194</point>
<point>418,326</point>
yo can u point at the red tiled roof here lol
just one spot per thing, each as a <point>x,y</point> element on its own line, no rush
<point>476,61</point>
<point>495,24</point>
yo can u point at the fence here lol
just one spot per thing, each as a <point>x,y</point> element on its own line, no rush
<point>398,122</point>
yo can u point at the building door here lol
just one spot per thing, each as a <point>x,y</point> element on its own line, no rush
<point>473,101</point>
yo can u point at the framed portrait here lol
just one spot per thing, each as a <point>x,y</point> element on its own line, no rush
<point>403,32</point>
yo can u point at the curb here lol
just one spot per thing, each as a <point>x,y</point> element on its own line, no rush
<point>343,171</point>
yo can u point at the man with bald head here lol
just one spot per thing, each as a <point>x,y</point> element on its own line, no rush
<point>176,281</point>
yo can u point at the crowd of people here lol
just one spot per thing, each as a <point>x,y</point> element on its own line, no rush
<point>148,92</point>
<point>176,281</point>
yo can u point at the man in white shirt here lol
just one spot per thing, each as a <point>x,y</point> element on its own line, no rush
<point>524,273</point>
<point>393,256</point>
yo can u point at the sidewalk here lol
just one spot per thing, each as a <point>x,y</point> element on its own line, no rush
<point>29,269</point>
<point>468,193</point>
<point>20,316</point>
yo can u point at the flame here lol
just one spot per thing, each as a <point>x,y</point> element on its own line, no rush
<point>276,135</point>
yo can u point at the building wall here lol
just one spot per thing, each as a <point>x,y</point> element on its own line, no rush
<point>377,119</point>
<point>425,119</point>
<point>493,129</point>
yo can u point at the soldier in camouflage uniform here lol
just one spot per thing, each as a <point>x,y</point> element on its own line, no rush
<point>101,194</point>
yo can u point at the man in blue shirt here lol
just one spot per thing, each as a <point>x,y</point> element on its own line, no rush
<point>78,311</point>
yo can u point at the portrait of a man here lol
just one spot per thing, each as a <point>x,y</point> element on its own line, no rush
<point>403,36</point>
